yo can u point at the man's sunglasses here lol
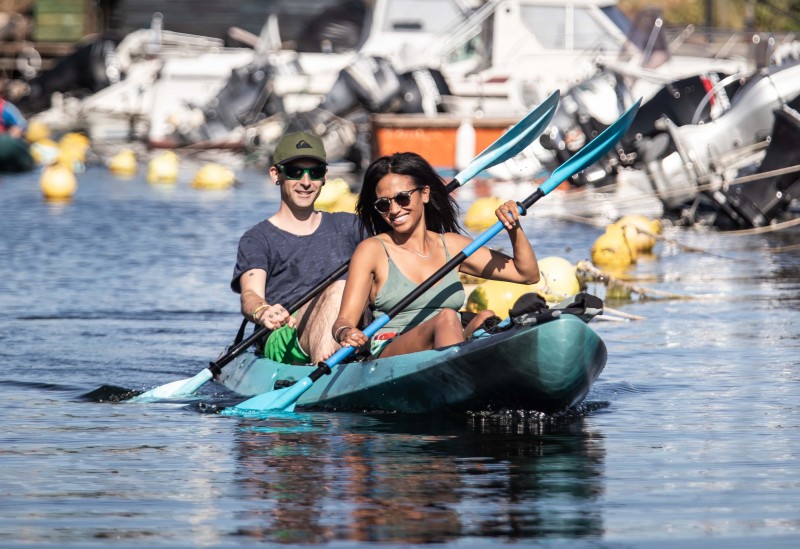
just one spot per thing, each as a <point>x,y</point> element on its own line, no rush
<point>296,172</point>
<point>403,199</point>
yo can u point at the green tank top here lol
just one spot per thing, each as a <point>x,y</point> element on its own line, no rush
<point>448,293</point>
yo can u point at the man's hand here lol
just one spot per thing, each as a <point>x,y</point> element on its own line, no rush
<point>274,317</point>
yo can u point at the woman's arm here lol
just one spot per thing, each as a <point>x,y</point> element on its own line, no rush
<point>486,263</point>
<point>357,289</point>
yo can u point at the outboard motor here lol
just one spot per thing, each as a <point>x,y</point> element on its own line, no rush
<point>246,99</point>
<point>678,101</point>
<point>591,106</point>
<point>698,148</point>
<point>758,202</point>
<point>87,70</point>
<point>371,85</point>
<point>370,82</point>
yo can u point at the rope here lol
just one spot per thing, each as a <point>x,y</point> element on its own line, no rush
<point>782,249</point>
<point>767,229</point>
<point>596,275</point>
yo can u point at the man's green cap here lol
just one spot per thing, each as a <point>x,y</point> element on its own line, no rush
<point>299,145</point>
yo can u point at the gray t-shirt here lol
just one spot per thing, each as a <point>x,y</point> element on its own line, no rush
<point>296,264</point>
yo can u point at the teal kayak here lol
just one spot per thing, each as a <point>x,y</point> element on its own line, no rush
<point>544,367</point>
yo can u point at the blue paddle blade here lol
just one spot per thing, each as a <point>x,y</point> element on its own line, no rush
<point>548,106</point>
<point>176,389</point>
<point>511,143</point>
<point>592,151</point>
<point>282,399</point>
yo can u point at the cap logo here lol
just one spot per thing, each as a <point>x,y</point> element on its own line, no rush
<point>303,144</point>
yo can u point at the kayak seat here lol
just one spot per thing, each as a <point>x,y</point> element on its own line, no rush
<point>532,309</point>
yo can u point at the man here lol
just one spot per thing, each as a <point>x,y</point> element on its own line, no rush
<point>12,122</point>
<point>281,258</point>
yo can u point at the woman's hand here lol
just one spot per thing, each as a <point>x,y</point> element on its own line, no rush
<point>508,214</point>
<point>274,317</point>
<point>351,337</point>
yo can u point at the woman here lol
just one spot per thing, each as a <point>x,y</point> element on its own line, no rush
<point>404,203</point>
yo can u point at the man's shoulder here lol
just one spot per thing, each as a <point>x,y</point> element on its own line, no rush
<point>262,226</point>
<point>342,220</point>
<point>261,232</point>
<point>341,217</point>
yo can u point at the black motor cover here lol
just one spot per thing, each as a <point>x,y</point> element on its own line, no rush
<point>757,203</point>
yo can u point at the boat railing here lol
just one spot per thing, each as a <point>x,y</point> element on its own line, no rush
<point>715,43</point>
<point>456,36</point>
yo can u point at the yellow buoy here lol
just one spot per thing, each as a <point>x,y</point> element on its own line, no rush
<point>331,193</point>
<point>496,295</point>
<point>480,215</point>
<point>612,249</point>
<point>123,163</point>
<point>640,231</point>
<point>58,182</point>
<point>559,279</point>
<point>73,150</point>
<point>37,131</point>
<point>213,177</point>
<point>75,140</point>
<point>163,169</point>
<point>346,203</point>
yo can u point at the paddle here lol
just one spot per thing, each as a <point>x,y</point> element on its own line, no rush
<point>505,147</point>
<point>285,399</point>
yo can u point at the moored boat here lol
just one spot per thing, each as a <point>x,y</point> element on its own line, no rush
<point>545,367</point>
<point>15,154</point>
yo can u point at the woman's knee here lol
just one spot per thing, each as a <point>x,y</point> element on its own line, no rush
<point>448,317</point>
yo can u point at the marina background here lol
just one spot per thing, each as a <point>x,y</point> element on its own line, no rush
<point>690,437</point>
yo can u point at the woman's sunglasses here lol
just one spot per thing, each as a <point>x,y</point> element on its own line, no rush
<point>296,172</point>
<point>403,199</point>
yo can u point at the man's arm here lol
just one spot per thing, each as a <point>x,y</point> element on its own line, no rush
<point>13,120</point>
<point>254,304</point>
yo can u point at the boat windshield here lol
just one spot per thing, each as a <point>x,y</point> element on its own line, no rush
<point>557,28</point>
<point>616,16</point>
<point>423,16</point>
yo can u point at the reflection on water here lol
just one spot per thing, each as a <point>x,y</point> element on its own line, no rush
<point>418,480</point>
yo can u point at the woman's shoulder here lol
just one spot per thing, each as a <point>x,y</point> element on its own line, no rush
<point>372,243</point>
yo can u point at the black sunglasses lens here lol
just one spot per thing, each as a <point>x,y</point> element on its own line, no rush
<point>383,205</point>
<point>293,172</point>
<point>403,199</point>
<point>296,172</point>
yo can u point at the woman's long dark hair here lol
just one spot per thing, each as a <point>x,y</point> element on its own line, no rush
<point>441,211</point>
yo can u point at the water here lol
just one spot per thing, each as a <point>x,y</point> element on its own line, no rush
<point>691,436</point>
